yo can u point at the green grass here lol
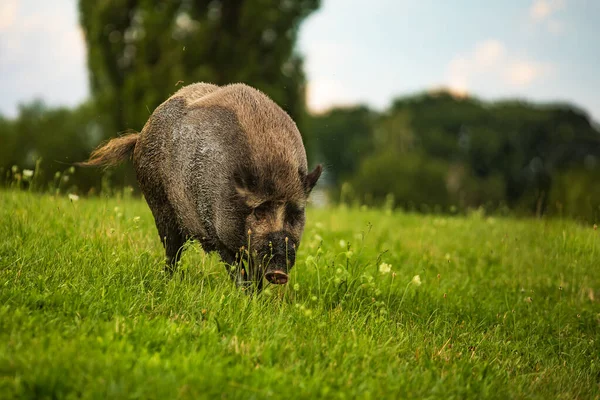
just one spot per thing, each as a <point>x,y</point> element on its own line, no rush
<point>506,309</point>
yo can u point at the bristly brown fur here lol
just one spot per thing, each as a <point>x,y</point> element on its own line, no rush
<point>113,152</point>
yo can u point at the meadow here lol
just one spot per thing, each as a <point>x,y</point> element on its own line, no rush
<point>381,304</point>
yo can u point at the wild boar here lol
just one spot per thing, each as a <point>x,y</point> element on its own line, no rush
<point>225,166</point>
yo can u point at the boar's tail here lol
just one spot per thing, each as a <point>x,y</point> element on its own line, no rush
<point>112,152</point>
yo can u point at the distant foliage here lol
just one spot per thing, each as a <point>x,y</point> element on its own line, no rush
<point>48,140</point>
<point>438,152</point>
<point>341,138</point>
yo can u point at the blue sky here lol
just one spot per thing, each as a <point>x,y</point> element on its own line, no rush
<point>540,50</point>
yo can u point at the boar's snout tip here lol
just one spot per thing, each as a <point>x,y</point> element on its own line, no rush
<point>277,277</point>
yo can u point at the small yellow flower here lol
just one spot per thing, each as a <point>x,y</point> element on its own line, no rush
<point>385,268</point>
<point>342,243</point>
<point>416,280</point>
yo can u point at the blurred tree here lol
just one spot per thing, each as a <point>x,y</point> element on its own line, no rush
<point>414,180</point>
<point>140,51</point>
<point>341,138</point>
<point>522,143</point>
<point>441,149</point>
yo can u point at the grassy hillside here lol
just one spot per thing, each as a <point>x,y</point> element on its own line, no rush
<point>500,309</point>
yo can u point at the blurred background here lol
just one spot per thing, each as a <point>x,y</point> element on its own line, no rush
<point>428,106</point>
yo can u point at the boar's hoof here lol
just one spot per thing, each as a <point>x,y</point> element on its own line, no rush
<point>277,277</point>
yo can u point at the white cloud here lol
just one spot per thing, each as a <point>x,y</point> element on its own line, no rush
<point>543,12</point>
<point>8,13</point>
<point>522,73</point>
<point>325,88</point>
<point>322,94</point>
<point>489,53</point>
<point>543,9</point>
<point>539,9</point>
<point>490,61</point>
<point>485,56</point>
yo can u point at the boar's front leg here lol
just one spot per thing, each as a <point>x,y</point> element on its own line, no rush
<point>173,241</point>
<point>171,235</point>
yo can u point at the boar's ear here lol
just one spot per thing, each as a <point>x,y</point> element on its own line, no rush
<point>311,179</point>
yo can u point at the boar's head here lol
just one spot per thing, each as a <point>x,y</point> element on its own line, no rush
<point>270,203</point>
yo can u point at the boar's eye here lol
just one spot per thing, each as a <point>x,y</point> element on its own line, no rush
<point>261,211</point>
<point>293,213</point>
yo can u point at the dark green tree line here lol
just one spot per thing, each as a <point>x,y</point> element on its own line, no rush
<point>437,151</point>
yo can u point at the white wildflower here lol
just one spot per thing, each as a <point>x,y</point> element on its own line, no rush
<point>342,243</point>
<point>73,197</point>
<point>385,268</point>
<point>416,280</point>
<point>27,173</point>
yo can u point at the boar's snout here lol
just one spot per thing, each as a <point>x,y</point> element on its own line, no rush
<point>277,277</point>
<point>279,255</point>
